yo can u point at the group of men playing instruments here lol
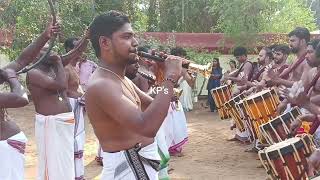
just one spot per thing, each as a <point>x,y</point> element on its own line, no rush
<point>137,130</point>
<point>297,84</point>
<point>137,133</point>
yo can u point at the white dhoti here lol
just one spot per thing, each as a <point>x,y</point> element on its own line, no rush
<point>79,137</point>
<point>132,165</point>
<point>163,150</point>
<point>176,129</point>
<point>186,96</point>
<point>55,144</point>
<point>242,136</point>
<point>12,157</point>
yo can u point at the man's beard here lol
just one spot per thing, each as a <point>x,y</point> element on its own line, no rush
<point>294,50</point>
<point>131,76</point>
<point>312,64</point>
<point>278,61</point>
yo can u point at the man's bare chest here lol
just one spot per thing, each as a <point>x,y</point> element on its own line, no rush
<point>296,74</point>
<point>316,87</point>
<point>74,79</point>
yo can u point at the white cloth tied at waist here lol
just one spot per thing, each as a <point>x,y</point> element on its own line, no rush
<point>55,145</point>
<point>116,166</point>
<point>12,166</point>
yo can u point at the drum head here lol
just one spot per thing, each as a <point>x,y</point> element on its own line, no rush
<point>286,117</point>
<point>258,96</point>
<point>234,100</point>
<point>220,88</point>
<point>285,147</point>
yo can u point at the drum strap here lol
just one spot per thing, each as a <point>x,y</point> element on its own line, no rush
<point>256,77</point>
<point>313,82</point>
<point>241,68</point>
<point>314,126</point>
<point>294,66</point>
<point>316,122</point>
<point>282,68</point>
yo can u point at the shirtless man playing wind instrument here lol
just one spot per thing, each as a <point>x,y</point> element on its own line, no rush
<point>125,119</point>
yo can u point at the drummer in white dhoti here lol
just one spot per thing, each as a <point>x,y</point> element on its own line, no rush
<point>48,86</point>
<point>75,95</point>
<point>12,139</point>
<point>244,72</point>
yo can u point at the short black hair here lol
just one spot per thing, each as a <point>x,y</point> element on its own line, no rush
<point>268,52</point>
<point>240,51</point>
<point>178,51</point>
<point>284,49</point>
<point>314,43</point>
<point>233,62</point>
<point>318,51</point>
<point>105,25</point>
<point>69,43</point>
<point>272,46</point>
<point>301,33</point>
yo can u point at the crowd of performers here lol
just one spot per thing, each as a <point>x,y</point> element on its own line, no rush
<point>274,105</point>
<point>132,103</point>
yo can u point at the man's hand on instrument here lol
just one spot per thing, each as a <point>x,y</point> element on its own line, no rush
<point>232,127</point>
<point>173,67</point>
<point>52,29</point>
<point>55,58</point>
<point>296,94</point>
<point>259,86</point>
<point>174,98</point>
<point>281,107</point>
<point>7,74</point>
<point>248,92</point>
<point>314,160</point>
<point>271,73</point>
<point>296,124</point>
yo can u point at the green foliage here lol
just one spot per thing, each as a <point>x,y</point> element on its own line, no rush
<point>186,16</point>
<point>287,14</point>
<point>201,57</point>
<point>239,19</point>
<point>243,19</point>
<point>31,17</point>
<point>134,8</point>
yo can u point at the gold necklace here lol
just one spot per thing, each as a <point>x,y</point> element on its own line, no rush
<point>134,95</point>
<point>52,74</point>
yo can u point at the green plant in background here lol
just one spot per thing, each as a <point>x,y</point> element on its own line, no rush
<point>29,18</point>
<point>201,57</point>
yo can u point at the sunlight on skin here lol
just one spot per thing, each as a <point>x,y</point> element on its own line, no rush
<point>25,95</point>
